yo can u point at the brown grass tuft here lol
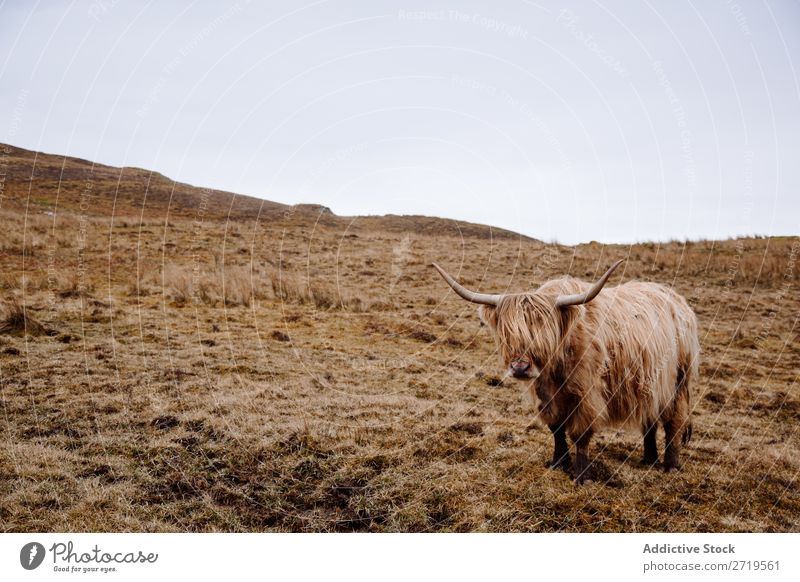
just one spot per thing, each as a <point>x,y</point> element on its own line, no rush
<point>16,320</point>
<point>73,285</point>
<point>178,284</point>
<point>288,287</point>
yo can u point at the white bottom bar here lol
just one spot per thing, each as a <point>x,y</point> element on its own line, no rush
<point>373,557</point>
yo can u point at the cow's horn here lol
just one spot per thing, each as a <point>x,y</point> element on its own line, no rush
<point>482,298</point>
<point>580,298</point>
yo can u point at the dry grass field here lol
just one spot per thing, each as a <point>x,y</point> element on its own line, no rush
<point>176,359</point>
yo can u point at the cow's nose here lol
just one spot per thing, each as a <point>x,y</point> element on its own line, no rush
<point>520,367</point>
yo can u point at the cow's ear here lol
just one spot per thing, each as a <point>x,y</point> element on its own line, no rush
<point>488,315</point>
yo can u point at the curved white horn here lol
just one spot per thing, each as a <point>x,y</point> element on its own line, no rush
<point>580,298</point>
<point>472,296</point>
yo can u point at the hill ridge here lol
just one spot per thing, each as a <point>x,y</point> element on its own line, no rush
<point>53,181</point>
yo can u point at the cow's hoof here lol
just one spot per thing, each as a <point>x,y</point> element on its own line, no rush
<point>582,477</point>
<point>563,465</point>
<point>649,461</point>
<point>672,468</point>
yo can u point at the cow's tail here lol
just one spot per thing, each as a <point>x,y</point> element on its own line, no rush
<point>687,433</point>
<point>684,393</point>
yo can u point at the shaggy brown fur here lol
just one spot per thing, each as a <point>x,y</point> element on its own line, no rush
<point>628,357</point>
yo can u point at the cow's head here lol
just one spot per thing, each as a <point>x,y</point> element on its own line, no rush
<point>527,326</point>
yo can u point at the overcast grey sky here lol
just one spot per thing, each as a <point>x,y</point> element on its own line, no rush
<point>612,121</point>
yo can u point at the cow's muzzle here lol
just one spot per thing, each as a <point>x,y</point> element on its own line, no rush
<point>521,369</point>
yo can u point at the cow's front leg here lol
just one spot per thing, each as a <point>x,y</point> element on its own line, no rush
<point>561,457</point>
<point>673,433</point>
<point>650,448</point>
<point>581,467</point>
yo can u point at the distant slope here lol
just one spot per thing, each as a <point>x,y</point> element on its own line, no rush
<point>74,184</point>
<point>39,182</point>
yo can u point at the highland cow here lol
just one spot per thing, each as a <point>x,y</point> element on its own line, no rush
<point>624,357</point>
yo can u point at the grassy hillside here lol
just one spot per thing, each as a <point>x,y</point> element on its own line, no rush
<point>261,367</point>
<point>40,183</point>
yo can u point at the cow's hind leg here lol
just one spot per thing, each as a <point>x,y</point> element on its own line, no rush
<point>674,431</point>
<point>561,457</point>
<point>650,449</point>
<point>581,467</point>
<point>677,425</point>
